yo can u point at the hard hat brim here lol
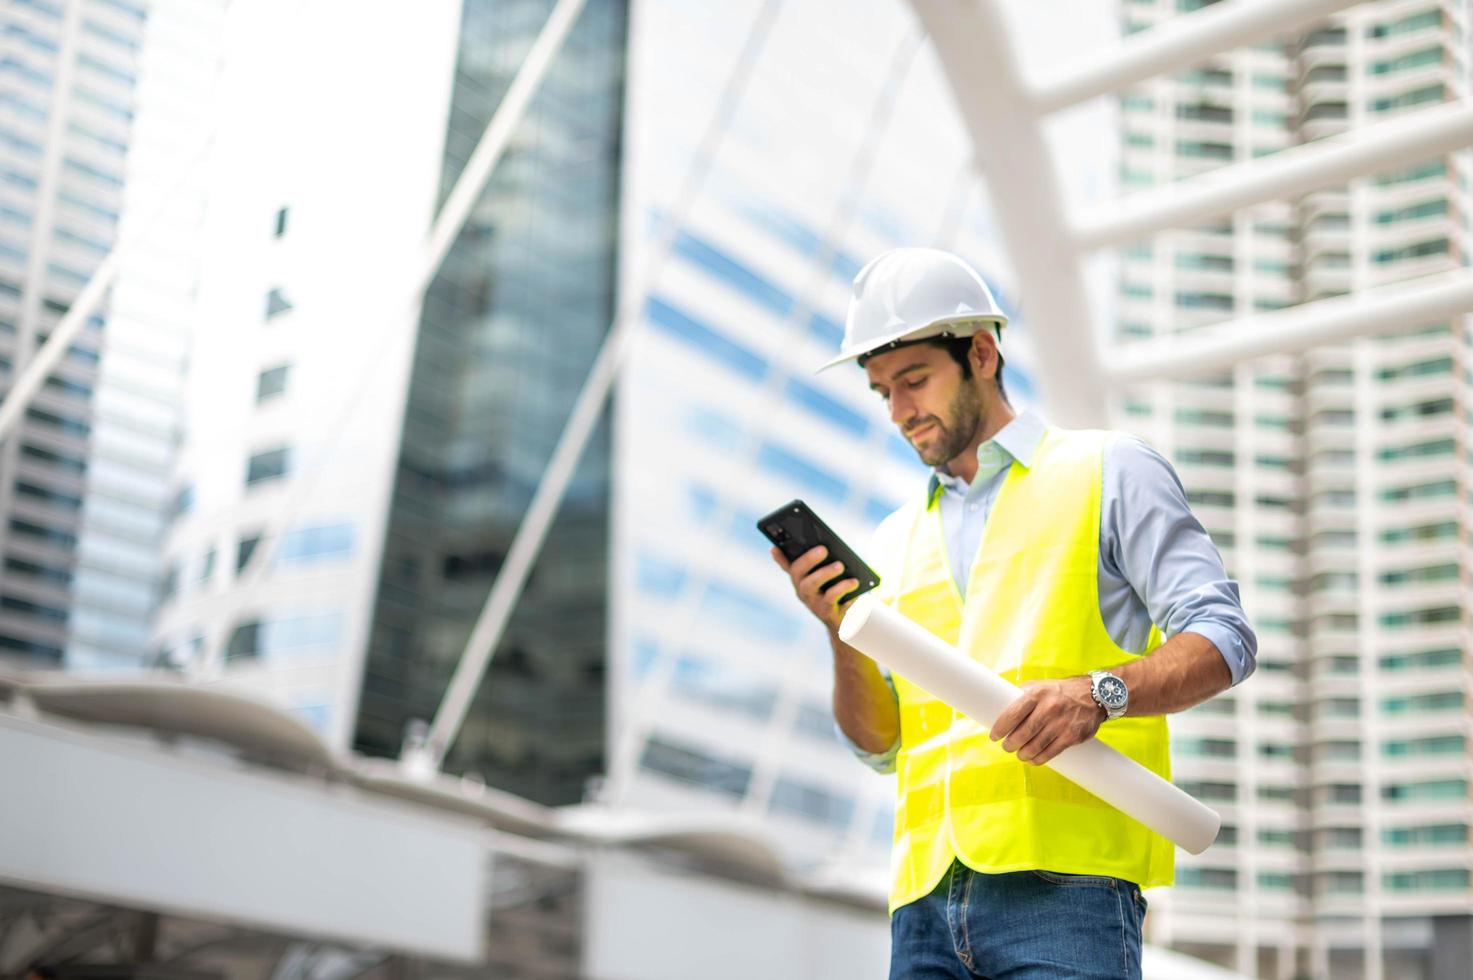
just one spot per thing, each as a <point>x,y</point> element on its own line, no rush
<point>938,328</point>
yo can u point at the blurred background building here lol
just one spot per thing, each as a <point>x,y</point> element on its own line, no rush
<point>1336,484</point>
<point>82,504</point>
<point>288,456</point>
<point>720,682</point>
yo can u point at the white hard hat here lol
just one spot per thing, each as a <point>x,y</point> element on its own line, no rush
<point>909,294</point>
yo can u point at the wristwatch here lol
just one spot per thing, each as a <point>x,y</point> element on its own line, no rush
<point>1109,693</point>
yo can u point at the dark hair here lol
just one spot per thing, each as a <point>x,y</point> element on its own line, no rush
<point>958,347</point>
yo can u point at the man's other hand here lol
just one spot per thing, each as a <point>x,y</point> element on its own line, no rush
<point>1047,718</point>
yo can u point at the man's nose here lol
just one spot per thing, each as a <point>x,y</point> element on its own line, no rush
<point>901,410</point>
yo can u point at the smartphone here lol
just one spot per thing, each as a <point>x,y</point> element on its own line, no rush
<point>796,529</point>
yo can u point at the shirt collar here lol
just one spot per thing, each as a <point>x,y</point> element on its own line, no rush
<point>1018,441</point>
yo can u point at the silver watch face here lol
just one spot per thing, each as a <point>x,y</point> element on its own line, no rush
<point>1112,692</point>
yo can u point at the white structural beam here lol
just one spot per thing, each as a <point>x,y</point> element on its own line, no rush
<point>40,367</point>
<point>125,822</point>
<point>978,56</point>
<point>1385,310</point>
<point>1179,43</point>
<point>1298,170</point>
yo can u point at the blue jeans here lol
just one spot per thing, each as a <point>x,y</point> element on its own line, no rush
<point>1025,925</point>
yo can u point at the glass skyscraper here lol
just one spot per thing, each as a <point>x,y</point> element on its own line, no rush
<point>508,332</point>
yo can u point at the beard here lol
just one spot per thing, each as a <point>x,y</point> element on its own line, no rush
<point>953,430</point>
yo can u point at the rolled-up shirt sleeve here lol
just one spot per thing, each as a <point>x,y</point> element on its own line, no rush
<point>1166,555</point>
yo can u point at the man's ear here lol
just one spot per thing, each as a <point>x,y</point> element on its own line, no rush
<point>982,352</point>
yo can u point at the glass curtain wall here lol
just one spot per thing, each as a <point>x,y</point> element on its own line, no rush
<point>509,330</point>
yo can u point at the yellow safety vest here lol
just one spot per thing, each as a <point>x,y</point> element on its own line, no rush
<point>1032,611</point>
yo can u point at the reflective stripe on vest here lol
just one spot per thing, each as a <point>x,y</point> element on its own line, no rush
<point>1032,611</point>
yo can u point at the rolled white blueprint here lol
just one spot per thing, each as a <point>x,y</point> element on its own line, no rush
<point>887,637</point>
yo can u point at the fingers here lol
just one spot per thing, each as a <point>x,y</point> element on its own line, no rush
<point>1026,730</point>
<point>1052,749</point>
<point>1042,722</point>
<point>1014,713</point>
<point>815,584</point>
<point>840,588</point>
<point>1043,740</point>
<point>808,561</point>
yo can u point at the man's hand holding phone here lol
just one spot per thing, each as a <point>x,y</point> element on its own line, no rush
<point>815,585</point>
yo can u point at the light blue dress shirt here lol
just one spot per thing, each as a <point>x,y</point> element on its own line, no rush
<point>1157,564</point>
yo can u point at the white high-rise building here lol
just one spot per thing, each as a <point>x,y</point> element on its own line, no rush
<point>83,496</point>
<point>1336,484</point>
<point>842,144</point>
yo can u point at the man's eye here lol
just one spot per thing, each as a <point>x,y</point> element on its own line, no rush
<point>913,385</point>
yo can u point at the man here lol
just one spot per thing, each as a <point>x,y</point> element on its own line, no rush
<point>1058,558</point>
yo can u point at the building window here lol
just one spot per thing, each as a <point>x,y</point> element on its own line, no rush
<point>49,535</point>
<point>1417,250</point>
<point>691,765</point>
<point>1431,745</point>
<point>1217,878</point>
<point>55,498</point>
<point>170,582</point>
<point>1431,447</point>
<point>183,501</point>
<point>307,543</point>
<point>816,720</point>
<point>43,573</point>
<point>1440,531</point>
<point>723,686</point>
<point>270,383</point>
<point>1422,703</point>
<point>1436,879</point>
<point>1219,792</point>
<point>1205,301</point>
<point>1204,149</point>
<point>244,550</point>
<point>1220,77</point>
<point>1420,96</point>
<point>1205,262</point>
<point>30,647</point>
<point>1423,659</point>
<point>812,802</point>
<point>276,303</point>
<point>1425,20</point>
<point>1433,789</point>
<point>245,641</point>
<point>297,632</point>
<point>269,465</point>
<point>827,408</point>
<point>1203,112</point>
<point>25,606</point>
<point>712,343</point>
<point>727,270</point>
<point>801,473</point>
